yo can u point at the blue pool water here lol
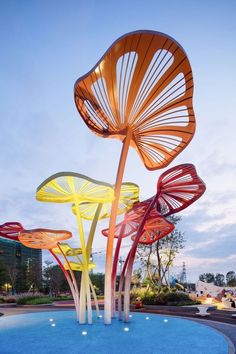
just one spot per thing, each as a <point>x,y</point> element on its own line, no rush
<point>59,333</point>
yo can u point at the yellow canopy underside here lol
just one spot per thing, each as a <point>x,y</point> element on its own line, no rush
<point>67,250</point>
<point>128,196</point>
<point>72,187</point>
<point>78,267</point>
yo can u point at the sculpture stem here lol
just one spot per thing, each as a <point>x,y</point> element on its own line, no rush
<point>109,250</point>
<point>94,297</point>
<point>71,272</point>
<point>122,277</point>
<point>85,276</point>
<point>92,289</point>
<point>114,270</point>
<point>93,229</point>
<point>131,261</point>
<point>68,280</point>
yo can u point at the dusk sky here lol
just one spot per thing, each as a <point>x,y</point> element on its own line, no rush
<point>47,45</point>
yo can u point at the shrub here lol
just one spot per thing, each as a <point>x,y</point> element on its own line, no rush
<point>170,298</point>
<point>154,299</point>
<point>62,298</point>
<point>138,292</point>
<point>38,299</point>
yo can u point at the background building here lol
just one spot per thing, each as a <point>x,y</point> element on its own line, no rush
<point>20,266</point>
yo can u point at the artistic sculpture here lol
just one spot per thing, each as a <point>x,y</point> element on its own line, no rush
<point>140,92</point>
<point>80,190</point>
<point>44,239</point>
<point>177,188</point>
<point>48,240</point>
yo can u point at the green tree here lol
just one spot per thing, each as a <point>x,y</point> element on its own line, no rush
<point>207,277</point>
<point>98,282</point>
<point>54,280</point>
<point>157,258</point>
<point>136,277</point>
<point>231,278</point>
<point>21,284</point>
<point>219,279</point>
<point>12,273</point>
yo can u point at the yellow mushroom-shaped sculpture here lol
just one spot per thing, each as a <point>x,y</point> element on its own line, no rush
<point>70,187</point>
<point>80,190</point>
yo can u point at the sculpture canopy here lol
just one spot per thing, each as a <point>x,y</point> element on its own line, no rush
<point>178,187</point>
<point>143,83</point>
<point>129,195</point>
<point>43,238</point>
<point>66,187</point>
<point>67,250</point>
<point>123,229</point>
<point>155,228</point>
<point>78,266</point>
<point>10,230</point>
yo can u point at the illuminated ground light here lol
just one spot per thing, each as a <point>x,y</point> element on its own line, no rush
<point>126,329</point>
<point>165,320</point>
<point>147,318</point>
<point>84,333</point>
<point>53,324</point>
<point>100,316</point>
<point>50,319</point>
<point>130,316</point>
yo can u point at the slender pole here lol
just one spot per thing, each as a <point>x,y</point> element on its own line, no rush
<point>94,297</point>
<point>89,247</point>
<point>131,261</point>
<point>109,251</point>
<point>122,277</point>
<point>93,229</point>
<point>70,270</point>
<point>85,275</point>
<point>92,289</point>
<point>114,270</point>
<point>68,280</point>
<point>82,305</point>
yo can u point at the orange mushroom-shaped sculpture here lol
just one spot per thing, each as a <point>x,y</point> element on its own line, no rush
<point>43,238</point>
<point>50,239</point>
<point>140,92</point>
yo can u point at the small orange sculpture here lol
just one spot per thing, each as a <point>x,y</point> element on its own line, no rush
<point>43,238</point>
<point>50,239</point>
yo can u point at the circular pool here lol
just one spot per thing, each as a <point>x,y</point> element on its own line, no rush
<point>58,332</point>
